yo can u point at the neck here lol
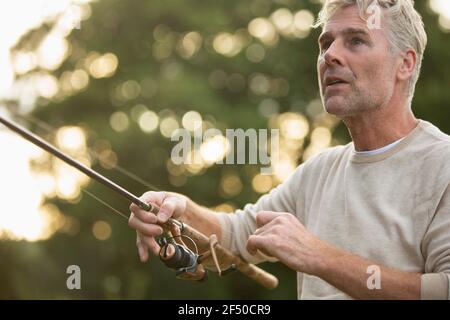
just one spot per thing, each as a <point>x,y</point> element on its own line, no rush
<point>376,129</point>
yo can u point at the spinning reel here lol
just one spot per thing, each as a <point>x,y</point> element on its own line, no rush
<point>176,255</point>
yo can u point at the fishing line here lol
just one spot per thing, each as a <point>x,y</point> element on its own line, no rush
<point>51,130</point>
<point>105,204</point>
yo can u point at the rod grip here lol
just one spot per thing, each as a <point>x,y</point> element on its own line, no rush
<point>255,273</point>
<point>226,257</point>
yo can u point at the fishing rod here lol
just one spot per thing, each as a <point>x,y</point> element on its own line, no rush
<point>174,253</point>
<point>179,257</point>
<point>76,164</point>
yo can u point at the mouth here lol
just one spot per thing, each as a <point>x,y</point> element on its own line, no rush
<point>334,82</point>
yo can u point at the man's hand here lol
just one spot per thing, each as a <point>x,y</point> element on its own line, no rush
<point>146,224</point>
<point>281,235</point>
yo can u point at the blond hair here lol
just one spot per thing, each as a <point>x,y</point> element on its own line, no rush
<point>405,26</point>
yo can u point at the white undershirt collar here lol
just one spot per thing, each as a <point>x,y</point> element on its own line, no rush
<point>380,150</point>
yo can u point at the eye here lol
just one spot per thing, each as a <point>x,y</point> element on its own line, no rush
<point>357,41</point>
<point>325,45</point>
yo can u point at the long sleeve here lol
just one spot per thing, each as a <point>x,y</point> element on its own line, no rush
<point>238,226</point>
<point>435,282</point>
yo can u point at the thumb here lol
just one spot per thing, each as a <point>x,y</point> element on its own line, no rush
<point>264,217</point>
<point>172,206</point>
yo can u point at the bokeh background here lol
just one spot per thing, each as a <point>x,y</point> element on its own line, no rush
<point>109,81</point>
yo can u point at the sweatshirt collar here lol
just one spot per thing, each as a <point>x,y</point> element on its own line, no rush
<point>368,158</point>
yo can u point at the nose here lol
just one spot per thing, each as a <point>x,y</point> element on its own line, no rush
<point>334,54</point>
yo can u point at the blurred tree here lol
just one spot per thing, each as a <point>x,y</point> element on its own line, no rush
<point>134,72</point>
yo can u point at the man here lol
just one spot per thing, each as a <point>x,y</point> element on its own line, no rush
<point>378,204</point>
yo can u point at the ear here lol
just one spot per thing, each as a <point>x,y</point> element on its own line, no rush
<point>407,64</point>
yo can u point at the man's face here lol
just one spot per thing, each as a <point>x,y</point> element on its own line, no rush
<point>356,67</point>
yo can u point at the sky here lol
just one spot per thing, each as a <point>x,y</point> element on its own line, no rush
<point>21,198</point>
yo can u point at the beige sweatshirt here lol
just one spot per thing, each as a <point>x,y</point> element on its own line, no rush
<point>392,208</point>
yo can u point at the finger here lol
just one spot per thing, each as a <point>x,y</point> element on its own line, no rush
<point>264,230</point>
<point>259,231</point>
<point>156,197</point>
<point>150,197</point>
<point>145,229</point>
<point>142,249</point>
<point>170,207</point>
<point>259,245</point>
<point>151,244</point>
<point>264,217</point>
<point>144,216</point>
<point>254,243</point>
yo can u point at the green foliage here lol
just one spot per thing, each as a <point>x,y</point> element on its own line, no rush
<point>175,85</point>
